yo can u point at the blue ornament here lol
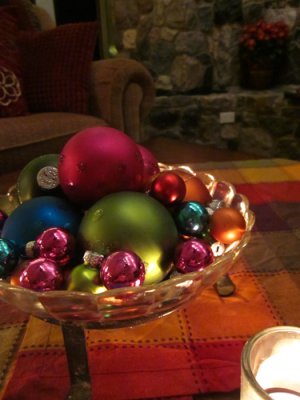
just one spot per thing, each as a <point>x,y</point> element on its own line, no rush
<point>9,256</point>
<point>34,216</point>
<point>191,218</point>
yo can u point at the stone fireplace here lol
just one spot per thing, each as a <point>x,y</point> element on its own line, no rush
<point>191,47</point>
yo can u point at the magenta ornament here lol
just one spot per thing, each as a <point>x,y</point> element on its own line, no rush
<point>193,255</point>
<point>57,244</point>
<point>97,161</point>
<point>41,275</point>
<point>3,217</point>
<point>122,268</point>
<point>151,167</point>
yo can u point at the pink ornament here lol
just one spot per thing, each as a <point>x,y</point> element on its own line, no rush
<point>3,218</point>
<point>98,161</point>
<point>41,275</point>
<point>168,188</point>
<point>151,167</point>
<point>122,268</point>
<point>56,244</point>
<point>193,255</point>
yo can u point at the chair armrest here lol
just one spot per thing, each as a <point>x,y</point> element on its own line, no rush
<point>122,93</point>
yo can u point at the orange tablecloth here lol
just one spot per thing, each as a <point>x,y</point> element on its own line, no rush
<point>196,349</point>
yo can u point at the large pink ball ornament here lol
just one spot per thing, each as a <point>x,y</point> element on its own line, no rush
<point>151,167</point>
<point>98,161</point>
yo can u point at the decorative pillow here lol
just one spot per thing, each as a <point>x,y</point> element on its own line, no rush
<point>12,101</point>
<point>56,67</point>
<point>26,18</point>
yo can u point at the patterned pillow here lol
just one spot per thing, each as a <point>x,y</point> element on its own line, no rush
<point>12,101</point>
<point>26,18</point>
<point>56,67</point>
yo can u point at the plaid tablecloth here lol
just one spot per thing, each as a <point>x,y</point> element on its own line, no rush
<point>194,350</point>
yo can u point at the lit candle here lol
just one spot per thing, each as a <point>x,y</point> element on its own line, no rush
<point>271,365</point>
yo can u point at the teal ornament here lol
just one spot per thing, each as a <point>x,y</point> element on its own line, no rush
<point>27,184</point>
<point>34,216</point>
<point>9,257</point>
<point>132,221</point>
<point>191,219</point>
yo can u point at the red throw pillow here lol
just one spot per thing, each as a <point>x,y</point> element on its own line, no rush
<point>56,67</point>
<point>12,101</point>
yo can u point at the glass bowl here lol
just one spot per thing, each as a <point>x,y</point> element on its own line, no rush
<point>131,306</point>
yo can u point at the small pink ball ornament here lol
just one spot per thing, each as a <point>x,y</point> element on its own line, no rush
<point>98,161</point>
<point>193,255</point>
<point>121,269</point>
<point>57,244</point>
<point>40,274</point>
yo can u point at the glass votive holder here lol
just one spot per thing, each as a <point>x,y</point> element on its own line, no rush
<point>271,365</point>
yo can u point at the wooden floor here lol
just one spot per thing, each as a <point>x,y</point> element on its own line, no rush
<point>173,151</point>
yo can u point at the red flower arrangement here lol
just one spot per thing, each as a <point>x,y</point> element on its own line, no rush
<point>264,43</point>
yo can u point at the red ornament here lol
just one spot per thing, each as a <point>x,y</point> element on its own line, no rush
<point>168,188</point>
<point>3,218</point>
<point>227,225</point>
<point>98,161</point>
<point>121,269</point>
<point>151,167</point>
<point>56,244</point>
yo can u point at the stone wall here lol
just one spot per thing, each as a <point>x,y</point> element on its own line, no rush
<point>191,49</point>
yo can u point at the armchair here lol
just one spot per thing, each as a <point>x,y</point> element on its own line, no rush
<point>121,93</point>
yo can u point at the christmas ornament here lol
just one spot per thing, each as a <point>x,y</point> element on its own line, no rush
<point>34,216</point>
<point>93,259</point>
<point>168,188</point>
<point>98,161</point>
<point>131,221</point>
<point>14,278</point>
<point>191,218</point>
<point>56,244</point>
<point>195,188</point>
<point>121,269</point>
<point>28,183</point>
<point>41,275</point>
<point>9,256</point>
<point>151,167</point>
<point>9,202</point>
<point>3,217</point>
<point>85,278</point>
<point>193,255</point>
<point>227,225</point>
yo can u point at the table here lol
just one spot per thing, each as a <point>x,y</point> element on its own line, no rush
<point>195,352</point>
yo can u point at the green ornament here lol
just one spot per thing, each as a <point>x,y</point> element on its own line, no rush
<point>132,221</point>
<point>85,278</point>
<point>27,183</point>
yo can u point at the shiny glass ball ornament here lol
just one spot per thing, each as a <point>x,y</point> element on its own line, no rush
<point>27,182</point>
<point>57,244</point>
<point>135,222</point>
<point>168,188</point>
<point>122,269</point>
<point>34,216</point>
<point>191,218</point>
<point>9,256</point>
<point>151,167</point>
<point>3,217</point>
<point>85,278</point>
<point>193,255</point>
<point>227,225</point>
<point>98,161</point>
<point>41,275</point>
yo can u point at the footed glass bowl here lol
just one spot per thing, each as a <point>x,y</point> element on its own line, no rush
<point>117,308</point>
<point>131,306</point>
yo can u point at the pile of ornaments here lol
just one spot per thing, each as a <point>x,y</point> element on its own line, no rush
<point>104,214</point>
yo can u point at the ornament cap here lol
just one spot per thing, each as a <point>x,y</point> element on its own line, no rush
<point>47,178</point>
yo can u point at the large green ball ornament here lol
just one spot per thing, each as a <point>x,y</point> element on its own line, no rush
<point>132,221</point>
<point>27,184</point>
